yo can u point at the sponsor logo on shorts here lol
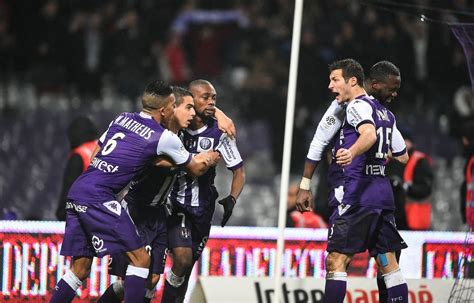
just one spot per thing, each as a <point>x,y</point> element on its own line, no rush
<point>98,244</point>
<point>78,208</point>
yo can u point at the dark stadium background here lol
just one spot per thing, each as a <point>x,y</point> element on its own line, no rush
<point>59,59</point>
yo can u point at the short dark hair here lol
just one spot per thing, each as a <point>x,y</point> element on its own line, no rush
<point>350,68</point>
<point>199,82</point>
<point>380,71</point>
<point>155,94</point>
<point>180,93</point>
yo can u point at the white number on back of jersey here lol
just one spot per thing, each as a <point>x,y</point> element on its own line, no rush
<point>112,143</point>
<point>384,141</point>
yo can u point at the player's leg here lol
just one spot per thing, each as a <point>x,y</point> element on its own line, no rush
<point>136,275</point>
<point>158,255</point>
<point>383,294</point>
<point>72,280</point>
<point>336,277</point>
<point>133,286</point>
<point>126,239</point>
<point>117,267</point>
<point>397,289</point>
<point>350,233</point>
<point>75,243</point>
<point>180,243</point>
<point>388,242</point>
<point>175,284</point>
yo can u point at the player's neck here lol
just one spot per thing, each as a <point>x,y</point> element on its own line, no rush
<point>152,114</point>
<point>357,91</point>
<point>174,126</point>
<point>197,122</point>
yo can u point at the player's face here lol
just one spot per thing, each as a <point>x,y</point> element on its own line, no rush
<point>204,100</point>
<point>184,113</point>
<point>386,91</point>
<point>168,111</point>
<point>339,86</point>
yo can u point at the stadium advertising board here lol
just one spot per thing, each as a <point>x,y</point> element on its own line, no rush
<point>31,264</point>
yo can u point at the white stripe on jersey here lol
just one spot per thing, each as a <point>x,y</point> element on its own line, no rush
<point>195,192</point>
<point>181,182</point>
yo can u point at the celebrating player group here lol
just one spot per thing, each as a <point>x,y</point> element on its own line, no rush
<point>150,187</point>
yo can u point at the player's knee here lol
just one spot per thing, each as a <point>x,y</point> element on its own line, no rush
<point>81,270</point>
<point>175,280</point>
<point>336,262</point>
<point>140,258</point>
<point>182,263</point>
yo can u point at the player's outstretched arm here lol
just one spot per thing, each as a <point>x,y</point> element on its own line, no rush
<point>201,162</point>
<point>238,181</point>
<point>225,124</point>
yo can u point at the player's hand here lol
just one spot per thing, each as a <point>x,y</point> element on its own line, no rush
<point>343,157</point>
<point>304,200</point>
<point>228,204</point>
<point>212,158</point>
<point>225,124</point>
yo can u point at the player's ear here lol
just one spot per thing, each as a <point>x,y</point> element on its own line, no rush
<point>353,81</point>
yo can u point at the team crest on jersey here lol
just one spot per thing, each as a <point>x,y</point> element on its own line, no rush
<point>205,144</point>
<point>114,207</point>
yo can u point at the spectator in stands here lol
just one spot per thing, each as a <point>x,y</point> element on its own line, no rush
<point>82,135</point>
<point>467,188</point>
<point>297,219</point>
<point>417,177</point>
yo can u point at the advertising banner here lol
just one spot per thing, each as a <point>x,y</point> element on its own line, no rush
<point>32,265</point>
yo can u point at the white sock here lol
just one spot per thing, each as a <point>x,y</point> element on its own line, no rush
<point>72,280</point>
<point>394,278</point>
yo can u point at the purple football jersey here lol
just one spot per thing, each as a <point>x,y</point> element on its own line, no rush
<point>152,186</point>
<point>130,144</point>
<point>198,195</point>
<point>365,183</point>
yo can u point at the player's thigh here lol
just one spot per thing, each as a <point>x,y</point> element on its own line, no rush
<point>76,240</point>
<point>179,230</point>
<point>337,262</point>
<point>110,227</point>
<point>388,239</point>
<point>352,229</point>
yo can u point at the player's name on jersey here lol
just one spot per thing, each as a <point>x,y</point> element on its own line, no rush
<point>134,126</point>
<point>104,166</point>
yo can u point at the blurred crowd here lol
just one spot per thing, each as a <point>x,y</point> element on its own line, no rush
<point>80,48</point>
